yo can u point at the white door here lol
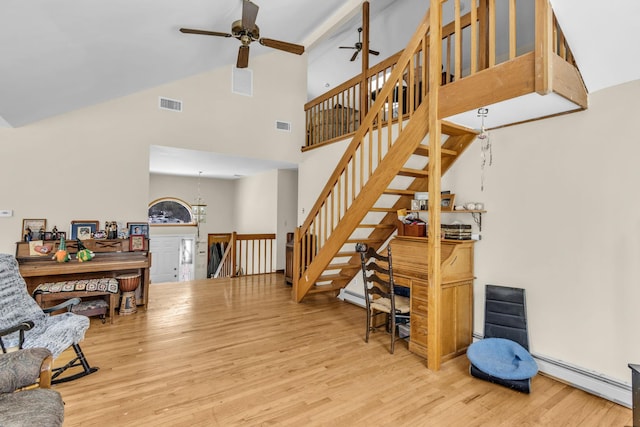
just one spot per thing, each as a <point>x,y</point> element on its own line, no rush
<point>165,262</point>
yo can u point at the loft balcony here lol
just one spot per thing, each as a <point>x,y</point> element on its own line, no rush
<point>510,57</point>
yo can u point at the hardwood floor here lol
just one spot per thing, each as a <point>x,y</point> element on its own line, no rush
<point>240,352</point>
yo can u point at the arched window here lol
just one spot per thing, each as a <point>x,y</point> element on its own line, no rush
<point>170,211</point>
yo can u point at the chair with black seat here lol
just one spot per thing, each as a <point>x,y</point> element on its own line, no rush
<point>380,297</point>
<point>503,357</point>
<point>23,324</point>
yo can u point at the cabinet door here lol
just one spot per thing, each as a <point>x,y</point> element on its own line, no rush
<point>456,312</point>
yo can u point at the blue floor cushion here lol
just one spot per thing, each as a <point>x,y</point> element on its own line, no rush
<point>502,358</point>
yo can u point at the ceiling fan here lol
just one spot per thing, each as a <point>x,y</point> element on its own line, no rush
<point>247,31</point>
<point>358,47</point>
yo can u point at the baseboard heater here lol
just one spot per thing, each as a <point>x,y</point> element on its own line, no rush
<point>585,380</point>
<point>352,297</point>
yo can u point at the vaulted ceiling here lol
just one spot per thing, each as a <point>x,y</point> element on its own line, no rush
<point>60,55</point>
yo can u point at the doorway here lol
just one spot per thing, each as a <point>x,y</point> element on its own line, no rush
<point>173,258</point>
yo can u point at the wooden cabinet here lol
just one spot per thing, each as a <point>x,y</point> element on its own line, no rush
<point>456,301</point>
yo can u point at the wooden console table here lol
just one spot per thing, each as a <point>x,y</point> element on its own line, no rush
<point>456,302</point>
<point>42,269</point>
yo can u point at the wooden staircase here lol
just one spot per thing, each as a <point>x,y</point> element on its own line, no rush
<point>388,159</point>
<point>384,152</point>
<point>375,223</point>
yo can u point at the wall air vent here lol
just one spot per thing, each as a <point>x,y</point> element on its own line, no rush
<point>170,104</point>
<point>284,126</point>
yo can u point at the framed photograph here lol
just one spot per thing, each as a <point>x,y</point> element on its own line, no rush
<point>33,229</point>
<point>170,211</point>
<point>446,202</point>
<point>60,235</point>
<point>138,228</point>
<point>83,230</point>
<point>40,248</point>
<point>136,242</point>
<point>48,235</point>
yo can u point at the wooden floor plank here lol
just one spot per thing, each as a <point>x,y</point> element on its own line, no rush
<point>238,351</point>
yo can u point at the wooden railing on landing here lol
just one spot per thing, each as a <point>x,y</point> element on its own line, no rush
<point>336,114</point>
<point>340,205</point>
<point>245,254</point>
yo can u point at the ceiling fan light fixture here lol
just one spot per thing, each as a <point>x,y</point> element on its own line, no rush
<point>247,31</point>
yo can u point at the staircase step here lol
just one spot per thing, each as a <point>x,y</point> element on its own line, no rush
<point>376,226</point>
<point>342,266</point>
<point>346,254</point>
<point>399,192</point>
<point>325,288</point>
<point>416,173</point>
<point>382,210</point>
<point>423,150</point>
<point>330,277</point>
<point>453,129</point>
<point>367,241</point>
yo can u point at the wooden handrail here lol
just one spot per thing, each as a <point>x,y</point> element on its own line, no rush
<point>396,89</point>
<point>367,150</point>
<point>247,254</point>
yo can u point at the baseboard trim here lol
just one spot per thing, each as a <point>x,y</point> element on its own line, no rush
<point>589,381</point>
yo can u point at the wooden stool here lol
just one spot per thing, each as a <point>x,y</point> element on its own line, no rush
<point>128,284</point>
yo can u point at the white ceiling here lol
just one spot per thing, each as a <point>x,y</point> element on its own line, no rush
<point>162,160</point>
<point>60,55</point>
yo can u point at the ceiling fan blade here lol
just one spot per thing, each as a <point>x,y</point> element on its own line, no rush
<point>243,57</point>
<point>249,15</point>
<point>346,47</point>
<point>374,52</point>
<point>355,55</point>
<point>204,33</point>
<point>287,47</point>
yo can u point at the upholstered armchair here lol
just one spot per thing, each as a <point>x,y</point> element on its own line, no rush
<point>26,398</point>
<point>23,324</point>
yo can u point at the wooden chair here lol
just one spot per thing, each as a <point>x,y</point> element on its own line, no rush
<point>23,324</point>
<point>380,297</point>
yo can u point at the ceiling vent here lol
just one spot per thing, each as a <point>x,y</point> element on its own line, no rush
<point>283,126</point>
<point>170,104</point>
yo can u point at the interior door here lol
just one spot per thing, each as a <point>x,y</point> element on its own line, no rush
<point>166,258</point>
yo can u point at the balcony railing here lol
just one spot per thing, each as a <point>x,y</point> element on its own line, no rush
<point>488,34</point>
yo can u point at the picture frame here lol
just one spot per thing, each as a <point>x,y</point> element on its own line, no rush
<point>136,228</point>
<point>170,211</point>
<point>446,202</point>
<point>137,242</point>
<point>35,227</point>
<point>83,229</point>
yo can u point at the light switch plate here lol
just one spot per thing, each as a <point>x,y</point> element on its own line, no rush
<point>6,212</point>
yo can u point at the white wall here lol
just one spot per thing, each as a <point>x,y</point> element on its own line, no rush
<point>286,211</point>
<point>94,163</point>
<point>563,224</point>
<point>256,203</point>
